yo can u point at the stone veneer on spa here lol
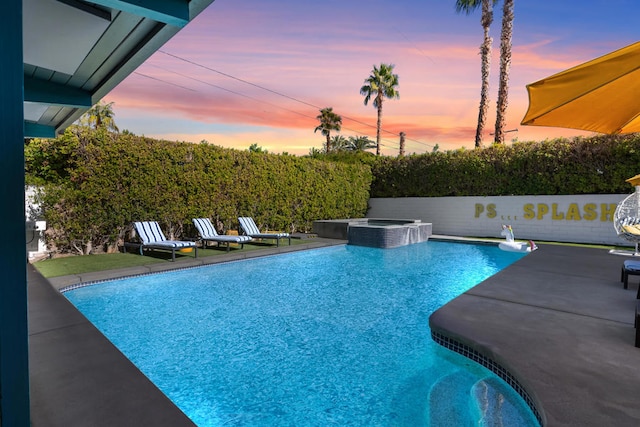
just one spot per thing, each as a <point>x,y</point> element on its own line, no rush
<point>374,232</point>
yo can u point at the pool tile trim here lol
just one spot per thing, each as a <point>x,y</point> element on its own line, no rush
<point>82,284</point>
<point>130,276</point>
<point>492,365</point>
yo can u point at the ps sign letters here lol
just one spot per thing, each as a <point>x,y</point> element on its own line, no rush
<point>540,211</point>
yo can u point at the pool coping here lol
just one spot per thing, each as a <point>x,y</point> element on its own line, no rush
<point>487,319</point>
<point>559,322</point>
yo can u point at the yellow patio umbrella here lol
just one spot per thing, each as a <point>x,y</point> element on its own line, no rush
<point>602,95</point>
<point>634,180</point>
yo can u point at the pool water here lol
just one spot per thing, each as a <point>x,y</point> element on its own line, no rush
<point>333,336</point>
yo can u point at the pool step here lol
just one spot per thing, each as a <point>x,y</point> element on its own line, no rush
<point>460,399</point>
<point>449,400</point>
<point>494,408</point>
<point>487,401</point>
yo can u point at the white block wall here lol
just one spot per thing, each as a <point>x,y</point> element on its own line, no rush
<point>573,218</point>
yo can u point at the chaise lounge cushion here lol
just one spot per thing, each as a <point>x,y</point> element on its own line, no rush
<point>208,233</point>
<point>250,228</point>
<point>629,268</point>
<point>152,237</point>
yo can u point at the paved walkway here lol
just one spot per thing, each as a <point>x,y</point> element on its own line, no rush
<point>558,319</point>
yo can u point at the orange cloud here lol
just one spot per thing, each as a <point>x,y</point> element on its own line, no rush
<point>234,73</point>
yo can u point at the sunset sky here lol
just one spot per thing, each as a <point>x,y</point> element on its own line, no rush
<point>249,71</point>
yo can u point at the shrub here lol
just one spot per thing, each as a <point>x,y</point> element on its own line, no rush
<point>104,182</point>
<point>596,165</point>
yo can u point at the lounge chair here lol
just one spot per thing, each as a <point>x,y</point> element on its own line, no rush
<point>208,233</point>
<point>248,225</point>
<point>630,268</point>
<point>151,237</point>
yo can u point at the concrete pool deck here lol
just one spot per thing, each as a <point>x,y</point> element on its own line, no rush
<point>559,320</point>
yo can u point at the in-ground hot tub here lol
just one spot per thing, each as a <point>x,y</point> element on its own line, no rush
<point>375,232</point>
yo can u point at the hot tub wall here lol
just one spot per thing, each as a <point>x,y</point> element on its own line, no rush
<point>388,237</point>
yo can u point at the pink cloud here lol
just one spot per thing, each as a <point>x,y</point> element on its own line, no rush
<point>439,80</point>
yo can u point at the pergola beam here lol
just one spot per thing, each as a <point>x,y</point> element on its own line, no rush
<point>35,130</point>
<point>46,92</point>
<point>172,12</point>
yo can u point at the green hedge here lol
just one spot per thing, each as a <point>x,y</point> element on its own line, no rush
<point>596,165</point>
<point>97,183</point>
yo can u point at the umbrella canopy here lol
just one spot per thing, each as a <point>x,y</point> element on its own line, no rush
<point>602,95</point>
<point>635,180</point>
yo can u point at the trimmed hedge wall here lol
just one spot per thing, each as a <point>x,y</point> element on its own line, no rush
<point>596,165</point>
<point>98,183</point>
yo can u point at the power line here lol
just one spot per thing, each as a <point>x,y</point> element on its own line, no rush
<point>415,46</point>
<point>233,92</point>
<point>163,81</point>
<point>279,94</point>
<point>389,144</point>
<point>230,91</point>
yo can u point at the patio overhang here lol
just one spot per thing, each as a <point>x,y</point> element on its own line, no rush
<point>75,52</point>
<point>59,57</point>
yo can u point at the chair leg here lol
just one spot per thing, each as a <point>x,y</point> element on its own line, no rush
<point>637,325</point>
<point>625,276</point>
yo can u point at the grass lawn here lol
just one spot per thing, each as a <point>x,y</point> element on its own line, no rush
<point>85,264</point>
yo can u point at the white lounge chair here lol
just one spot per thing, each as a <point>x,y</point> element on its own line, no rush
<point>208,233</point>
<point>250,228</point>
<point>151,237</point>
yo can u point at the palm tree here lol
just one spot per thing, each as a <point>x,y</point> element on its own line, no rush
<point>380,84</point>
<point>360,143</point>
<point>328,121</point>
<point>486,20</point>
<point>255,148</point>
<point>100,115</point>
<point>505,65</point>
<point>339,143</point>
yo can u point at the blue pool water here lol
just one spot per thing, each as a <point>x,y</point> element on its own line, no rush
<point>335,336</point>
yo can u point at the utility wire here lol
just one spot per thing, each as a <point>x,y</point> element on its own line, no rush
<point>233,92</point>
<point>163,81</point>
<point>392,146</point>
<point>278,93</point>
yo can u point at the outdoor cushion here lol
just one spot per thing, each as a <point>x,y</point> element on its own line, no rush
<point>152,237</point>
<point>208,233</point>
<point>632,229</point>
<point>629,268</point>
<point>248,225</point>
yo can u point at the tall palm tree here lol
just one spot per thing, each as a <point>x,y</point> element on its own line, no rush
<point>328,121</point>
<point>505,65</point>
<point>100,115</point>
<point>382,83</point>
<point>486,20</point>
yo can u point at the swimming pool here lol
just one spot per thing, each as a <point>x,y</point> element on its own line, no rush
<point>334,336</point>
